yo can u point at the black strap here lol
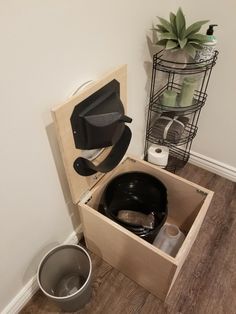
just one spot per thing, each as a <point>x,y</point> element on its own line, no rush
<point>85,167</point>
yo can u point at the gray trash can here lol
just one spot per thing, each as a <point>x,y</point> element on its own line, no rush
<point>64,275</point>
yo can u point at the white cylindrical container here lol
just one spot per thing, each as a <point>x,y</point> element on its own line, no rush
<point>187,91</point>
<point>169,239</point>
<point>169,98</point>
<point>158,155</point>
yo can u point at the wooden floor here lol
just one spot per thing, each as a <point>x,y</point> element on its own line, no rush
<point>207,282</point>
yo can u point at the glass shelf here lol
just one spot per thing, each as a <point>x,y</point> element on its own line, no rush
<point>157,106</point>
<point>161,64</point>
<point>188,134</point>
<point>177,158</point>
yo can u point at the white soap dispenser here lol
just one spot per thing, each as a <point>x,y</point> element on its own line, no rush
<point>208,48</point>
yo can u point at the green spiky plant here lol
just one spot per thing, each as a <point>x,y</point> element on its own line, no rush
<point>174,35</point>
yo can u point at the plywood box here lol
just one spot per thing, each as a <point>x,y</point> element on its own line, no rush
<point>188,203</point>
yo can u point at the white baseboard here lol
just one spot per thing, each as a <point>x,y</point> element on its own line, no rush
<point>27,292</point>
<point>213,165</point>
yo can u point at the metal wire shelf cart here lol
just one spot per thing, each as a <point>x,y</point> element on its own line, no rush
<point>169,75</point>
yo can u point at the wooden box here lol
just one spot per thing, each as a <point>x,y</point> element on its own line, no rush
<point>188,203</point>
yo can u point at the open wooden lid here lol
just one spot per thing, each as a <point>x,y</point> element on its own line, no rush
<point>79,185</point>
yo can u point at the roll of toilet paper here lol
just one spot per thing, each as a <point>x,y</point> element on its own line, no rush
<point>158,155</point>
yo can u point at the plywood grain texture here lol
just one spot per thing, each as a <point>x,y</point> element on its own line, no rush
<point>61,115</point>
<point>134,257</point>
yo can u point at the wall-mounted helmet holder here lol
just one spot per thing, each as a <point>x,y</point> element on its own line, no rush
<point>98,122</point>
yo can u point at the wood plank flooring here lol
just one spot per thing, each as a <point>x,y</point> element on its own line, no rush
<point>206,283</point>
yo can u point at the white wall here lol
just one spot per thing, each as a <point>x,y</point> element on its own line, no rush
<point>217,127</point>
<point>48,48</point>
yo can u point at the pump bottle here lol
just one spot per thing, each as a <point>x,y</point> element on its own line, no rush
<point>210,34</point>
<point>208,48</point>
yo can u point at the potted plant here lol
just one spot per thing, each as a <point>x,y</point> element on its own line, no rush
<point>180,41</point>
